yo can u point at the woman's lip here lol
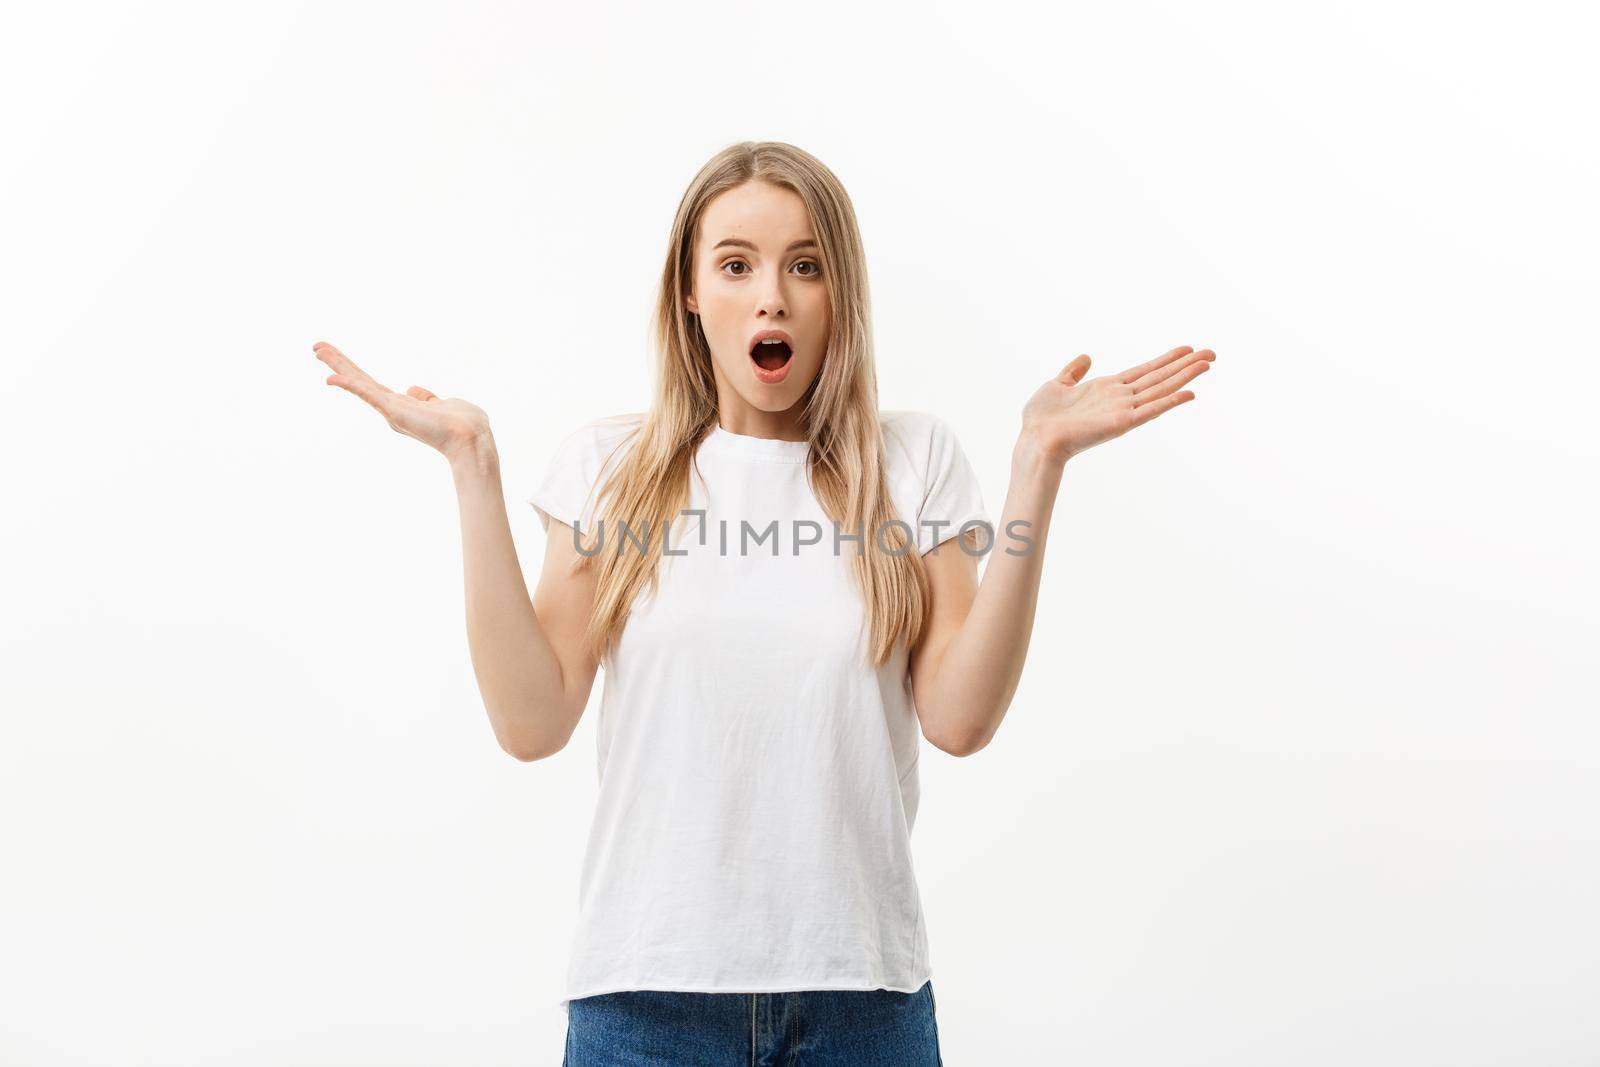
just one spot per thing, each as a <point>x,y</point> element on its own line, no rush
<point>762,335</point>
<point>771,377</point>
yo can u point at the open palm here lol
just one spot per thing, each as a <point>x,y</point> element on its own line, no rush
<point>446,423</point>
<point>1067,414</point>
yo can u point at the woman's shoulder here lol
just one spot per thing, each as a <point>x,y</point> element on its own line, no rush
<point>610,425</point>
<point>924,456</point>
<point>916,438</point>
<point>597,445</point>
<point>599,437</point>
<point>575,471</point>
<point>909,424</point>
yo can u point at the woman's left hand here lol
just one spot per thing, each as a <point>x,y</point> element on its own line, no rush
<point>1068,414</point>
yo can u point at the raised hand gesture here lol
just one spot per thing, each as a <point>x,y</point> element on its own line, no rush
<point>1068,414</point>
<point>451,425</point>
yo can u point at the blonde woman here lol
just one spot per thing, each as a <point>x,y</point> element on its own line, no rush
<point>781,581</point>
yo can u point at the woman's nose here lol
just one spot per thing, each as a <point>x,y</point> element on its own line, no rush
<point>773,302</point>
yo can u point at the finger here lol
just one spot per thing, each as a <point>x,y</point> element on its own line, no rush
<point>420,393</point>
<point>1073,372</point>
<point>1149,411</point>
<point>1161,374</point>
<point>365,388</point>
<point>1170,383</point>
<point>342,363</point>
<point>1127,377</point>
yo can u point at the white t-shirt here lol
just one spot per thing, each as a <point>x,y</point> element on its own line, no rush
<point>758,777</point>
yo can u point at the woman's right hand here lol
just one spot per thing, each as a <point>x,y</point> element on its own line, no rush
<point>451,425</point>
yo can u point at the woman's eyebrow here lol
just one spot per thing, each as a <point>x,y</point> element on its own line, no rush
<point>740,242</point>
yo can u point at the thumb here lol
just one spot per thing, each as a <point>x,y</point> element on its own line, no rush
<point>1073,372</point>
<point>420,393</point>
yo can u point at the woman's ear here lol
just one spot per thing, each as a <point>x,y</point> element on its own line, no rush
<point>689,302</point>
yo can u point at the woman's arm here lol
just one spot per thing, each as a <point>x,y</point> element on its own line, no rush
<point>533,669</point>
<point>966,666</point>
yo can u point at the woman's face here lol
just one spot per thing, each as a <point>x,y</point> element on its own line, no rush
<point>758,270</point>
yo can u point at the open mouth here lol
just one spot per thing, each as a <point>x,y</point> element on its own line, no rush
<point>772,354</point>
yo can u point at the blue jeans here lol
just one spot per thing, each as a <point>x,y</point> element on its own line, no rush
<point>813,1028</point>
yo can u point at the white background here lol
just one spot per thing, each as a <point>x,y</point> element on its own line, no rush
<point>1303,765</point>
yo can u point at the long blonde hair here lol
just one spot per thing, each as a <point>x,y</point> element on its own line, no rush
<point>844,462</point>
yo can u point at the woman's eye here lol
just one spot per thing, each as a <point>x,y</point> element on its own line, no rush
<point>816,268</point>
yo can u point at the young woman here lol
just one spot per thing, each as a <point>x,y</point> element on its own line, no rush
<point>757,562</point>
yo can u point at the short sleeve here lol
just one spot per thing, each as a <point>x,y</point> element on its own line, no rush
<point>572,479</point>
<point>952,496</point>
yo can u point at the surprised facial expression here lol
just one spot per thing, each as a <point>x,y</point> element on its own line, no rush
<point>759,291</point>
